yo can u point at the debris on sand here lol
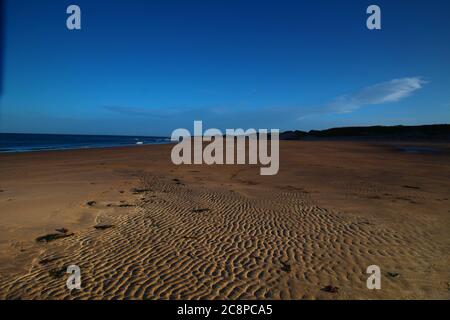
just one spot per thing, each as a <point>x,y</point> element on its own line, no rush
<point>47,260</point>
<point>200,210</point>
<point>125,205</point>
<point>57,272</point>
<point>155,225</point>
<point>177,181</point>
<point>103,226</point>
<point>91,203</point>
<point>393,274</point>
<point>55,236</point>
<point>330,289</point>
<point>286,267</point>
<point>139,190</point>
<point>410,187</point>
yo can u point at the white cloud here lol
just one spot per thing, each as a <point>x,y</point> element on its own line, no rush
<point>385,92</point>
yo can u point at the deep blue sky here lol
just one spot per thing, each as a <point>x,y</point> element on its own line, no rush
<point>149,67</point>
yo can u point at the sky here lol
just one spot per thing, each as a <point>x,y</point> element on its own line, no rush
<point>149,67</point>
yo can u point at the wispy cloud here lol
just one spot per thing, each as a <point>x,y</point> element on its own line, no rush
<point>385,92</point>
<point>264,116</point>
<point>157,113</point>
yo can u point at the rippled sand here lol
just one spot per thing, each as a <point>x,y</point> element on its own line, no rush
<point>224,232</point>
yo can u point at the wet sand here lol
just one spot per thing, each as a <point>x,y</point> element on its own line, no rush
<point>140,227</point>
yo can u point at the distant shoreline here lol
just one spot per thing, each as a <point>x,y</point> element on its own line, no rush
<point>24,142</point>
<point>19,143</point>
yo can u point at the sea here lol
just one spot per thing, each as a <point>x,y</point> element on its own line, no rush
<point>24,142</point>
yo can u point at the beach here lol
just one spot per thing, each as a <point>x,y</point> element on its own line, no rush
<point>140,227</point>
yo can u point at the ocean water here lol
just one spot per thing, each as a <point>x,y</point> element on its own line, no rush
<point>14,142</point>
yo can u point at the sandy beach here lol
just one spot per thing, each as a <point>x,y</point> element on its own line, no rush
<point>140,227</point>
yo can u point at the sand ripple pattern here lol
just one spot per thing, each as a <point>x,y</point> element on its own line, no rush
<point>187,242</point>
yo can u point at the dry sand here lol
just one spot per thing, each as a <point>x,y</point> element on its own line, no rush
<point>225,232</point>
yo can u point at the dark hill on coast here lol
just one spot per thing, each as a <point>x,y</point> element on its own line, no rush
<point>436,131</point>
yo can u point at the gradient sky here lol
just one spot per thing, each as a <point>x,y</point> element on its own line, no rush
<point>148,67</point>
